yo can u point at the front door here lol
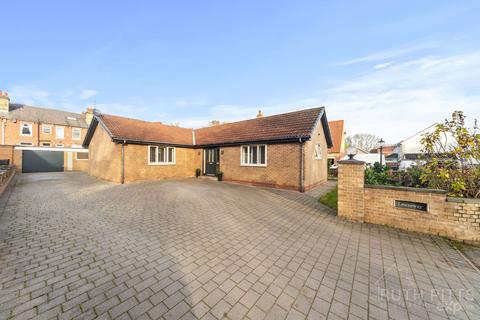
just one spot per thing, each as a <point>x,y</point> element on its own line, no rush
<point>212,160</point>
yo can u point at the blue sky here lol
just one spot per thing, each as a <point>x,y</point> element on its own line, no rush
<point>387,67</point>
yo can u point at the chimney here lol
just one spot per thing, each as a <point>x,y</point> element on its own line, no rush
<point>214,123</point>
<point>89,115</point>
<point>4,102</point>
<point>260,114</point>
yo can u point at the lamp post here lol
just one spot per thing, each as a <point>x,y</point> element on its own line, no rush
<point>381,143</point>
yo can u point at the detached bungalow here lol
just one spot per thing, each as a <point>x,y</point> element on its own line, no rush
<point>285,151</point>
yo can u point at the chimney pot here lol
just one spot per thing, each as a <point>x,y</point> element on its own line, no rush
<point>259,114</point>
<point>4,102</point>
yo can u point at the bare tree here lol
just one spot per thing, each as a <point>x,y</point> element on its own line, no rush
<point>365,141</point>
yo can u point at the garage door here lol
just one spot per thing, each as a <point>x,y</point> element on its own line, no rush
<point>42,161</point>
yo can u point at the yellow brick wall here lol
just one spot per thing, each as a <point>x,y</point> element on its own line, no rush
<point>315,169</point>
<point>350,190</point>
<point>456,218</point>
<point>450,217</point>
<point>282,170</point>
<point>137,167</point>
<point>104,157</point>
<point>79,165</point>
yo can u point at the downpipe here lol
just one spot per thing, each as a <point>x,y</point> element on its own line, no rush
<point>123,162</point>
<point>302,177</point>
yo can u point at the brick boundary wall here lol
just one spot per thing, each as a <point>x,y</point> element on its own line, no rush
<point>455,218</point>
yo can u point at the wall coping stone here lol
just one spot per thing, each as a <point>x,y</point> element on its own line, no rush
<point>409,189</point>
<point>353,161</point>
<point>464,200</point>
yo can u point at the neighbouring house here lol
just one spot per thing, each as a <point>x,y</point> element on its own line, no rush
<point>337,151</point>
<point>286,151</point>
<point>407,152</point>
<point>49,139</point>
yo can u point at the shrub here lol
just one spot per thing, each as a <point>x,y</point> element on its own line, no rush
<point>220,175</point>
<point>377,174</point>
<point>198,172</point>
<point>451,159</point>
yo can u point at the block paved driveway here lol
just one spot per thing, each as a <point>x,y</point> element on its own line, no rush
<point>74,247</point>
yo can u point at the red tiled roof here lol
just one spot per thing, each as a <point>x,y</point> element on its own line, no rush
<point>336,130</point>
<point>287,126</point>
<point>144,131</point>
<point>282,126</point>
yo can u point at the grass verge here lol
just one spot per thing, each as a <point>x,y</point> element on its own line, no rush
<point>330,199</point>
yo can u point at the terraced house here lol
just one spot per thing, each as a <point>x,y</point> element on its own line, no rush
<point>38,139</point>
<point>285,151</point>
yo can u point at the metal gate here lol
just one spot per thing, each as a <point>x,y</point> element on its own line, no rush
<point>42,161</point>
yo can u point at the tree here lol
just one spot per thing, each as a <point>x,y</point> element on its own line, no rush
<point>363,141</point>
<point>451,159</point>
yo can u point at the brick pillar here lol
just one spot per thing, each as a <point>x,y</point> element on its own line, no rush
<point>351,190</point>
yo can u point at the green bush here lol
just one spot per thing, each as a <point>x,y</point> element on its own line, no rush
<point>377,174</point>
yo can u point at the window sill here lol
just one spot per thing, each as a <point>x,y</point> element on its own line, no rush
<point>26,135</point>
<point>253,165</point>
<point>161,164</point>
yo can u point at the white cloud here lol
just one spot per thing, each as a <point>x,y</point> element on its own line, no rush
<point>87,94</point>
<point>398,100</point>
<point>391,53</point>
<point>382,65</point>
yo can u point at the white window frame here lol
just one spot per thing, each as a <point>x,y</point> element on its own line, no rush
<point>44,126</point>
<point>26,144</point>
<point>79,130</point>
<point>56,132</point>
<point>165,163</point>
<point>76,156</point>
<point>318,155</point>
<point>59,145</point>
<point>250,147</point>
<point>30,126</point>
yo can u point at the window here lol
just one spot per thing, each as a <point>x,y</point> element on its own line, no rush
<point>59,132</point>
<point>76,133</point>
<point>81,155</point>
<point>254,155</point>
<point>161,155</point>
<point>59,145</point>
<point>25,129</point>
<point>46,144</point>
<point>46,129</point>
<point>26,144</point>
<point>318,151</point>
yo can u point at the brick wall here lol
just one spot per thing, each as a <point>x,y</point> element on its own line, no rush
<point>450,217</point>
<point>7,153</point>
<point>137,167</point>
<point>315,169</point>
<point>104,157</point>
<point>350,190</point>
<point>77,165</point>
<point>282,170</point>
<point>13,137</point>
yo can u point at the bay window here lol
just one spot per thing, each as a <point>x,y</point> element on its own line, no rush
<point>254,155</point>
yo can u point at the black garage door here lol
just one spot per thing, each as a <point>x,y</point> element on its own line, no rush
<point>42,161</point>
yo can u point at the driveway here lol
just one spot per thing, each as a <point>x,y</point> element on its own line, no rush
<point>75,247</point>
